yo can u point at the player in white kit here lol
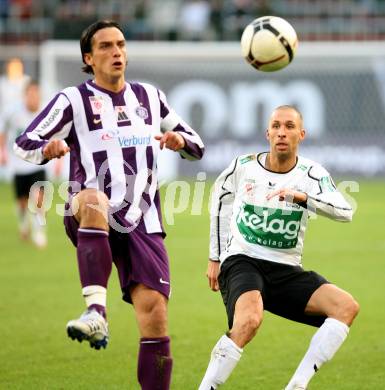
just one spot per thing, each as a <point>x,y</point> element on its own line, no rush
<point>260,208</point>
<point>12,123</point>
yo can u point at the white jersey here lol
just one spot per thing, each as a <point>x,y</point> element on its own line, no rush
<point>243,221</point>
<point>13,123</point>
<point>12,91</point>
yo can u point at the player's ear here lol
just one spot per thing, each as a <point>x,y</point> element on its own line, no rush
<point>267,134</point>
<point>88,58</point>
<point>302,134</point>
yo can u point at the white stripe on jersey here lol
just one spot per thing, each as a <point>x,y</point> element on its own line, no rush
<point>80,123</point>
<point>34,156</point>
<point>114,162</point>
<point>134,211</point>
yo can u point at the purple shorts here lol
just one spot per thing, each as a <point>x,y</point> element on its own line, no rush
<point>139,257</point>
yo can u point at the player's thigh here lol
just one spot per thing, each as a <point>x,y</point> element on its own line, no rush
<point>241,286</point>
<point>332,301</point>
<point>290,293</point>
<point>141,259</point>
<point>249,309</point>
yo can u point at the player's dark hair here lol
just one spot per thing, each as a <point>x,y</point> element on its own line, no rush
<point>87,35</point>
<point>31,83</point>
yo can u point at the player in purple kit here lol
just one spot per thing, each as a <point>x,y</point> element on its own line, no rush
<point>113,130</point>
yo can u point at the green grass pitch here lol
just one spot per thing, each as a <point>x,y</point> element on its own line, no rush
<point>40,292</point>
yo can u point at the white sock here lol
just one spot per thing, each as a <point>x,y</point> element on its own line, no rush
<point>324,344</point>
<point>224,357</point>
<point>23,220</point>
<point>95,295</point>
<point>39,236</point>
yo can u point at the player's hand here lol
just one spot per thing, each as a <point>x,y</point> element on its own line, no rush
<point>212,274</point>
<point>55,148</point>
<point>171,140</point>
<point>288,195</point>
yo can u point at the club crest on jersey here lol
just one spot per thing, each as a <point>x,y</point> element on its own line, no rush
<point>97,104</point>
<point>141,112</point>
<point>121,113</point>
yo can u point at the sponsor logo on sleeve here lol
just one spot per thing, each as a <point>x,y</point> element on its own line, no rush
<point>248,158</point>
<point>49,120</point>
<point>327,185</point>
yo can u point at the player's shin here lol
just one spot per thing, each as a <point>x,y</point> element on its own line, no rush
<point>95,263</point>
<point>154,363</point>
<point>324,344</point>
<point>224,357</point>
<point>23,221</point>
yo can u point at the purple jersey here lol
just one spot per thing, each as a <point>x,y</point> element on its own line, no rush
<point>111,136</point>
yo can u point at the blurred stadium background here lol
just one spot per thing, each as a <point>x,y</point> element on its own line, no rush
<point>190,49</point>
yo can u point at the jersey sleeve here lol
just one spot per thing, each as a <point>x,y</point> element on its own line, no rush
<point>170,121</point>
<point>221,210</point>
<point>54,122</point>
<point>324,198</point>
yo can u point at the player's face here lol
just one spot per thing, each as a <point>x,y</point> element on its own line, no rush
<point>285,132</point>
<point>108,57</point>
<point>32,98</point>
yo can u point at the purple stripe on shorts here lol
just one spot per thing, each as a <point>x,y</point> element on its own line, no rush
<point>141,94</point>
<point>93,120</point>
<point>103,172</point>
<point>163,109</point>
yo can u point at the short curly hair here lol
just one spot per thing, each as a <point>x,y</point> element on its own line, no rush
<point>86,39</point>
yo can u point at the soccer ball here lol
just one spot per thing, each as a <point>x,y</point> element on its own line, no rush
<point>269,43</point>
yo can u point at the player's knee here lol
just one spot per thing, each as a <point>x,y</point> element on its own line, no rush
<point>351,309</point>
<point>157,321</point>
<point>154,315</point>
<point>348,310</point>
<point>92,208</point>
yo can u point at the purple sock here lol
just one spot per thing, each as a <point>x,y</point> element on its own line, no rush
<point>154,363</point>
<point>94,257</point>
